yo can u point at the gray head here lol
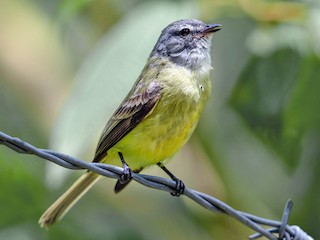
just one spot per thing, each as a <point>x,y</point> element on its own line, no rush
<point>187,43</point>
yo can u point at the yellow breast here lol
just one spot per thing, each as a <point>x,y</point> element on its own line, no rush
<point>171,123</point>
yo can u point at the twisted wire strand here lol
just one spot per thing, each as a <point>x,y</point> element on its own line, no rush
<point>277,230</point>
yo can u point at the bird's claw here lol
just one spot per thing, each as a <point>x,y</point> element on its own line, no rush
<point>126,175</point>
<point>179,188</point>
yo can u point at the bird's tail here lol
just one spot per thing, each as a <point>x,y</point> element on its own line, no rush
<point>62,205</point>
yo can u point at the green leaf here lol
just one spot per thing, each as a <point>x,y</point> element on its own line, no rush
<point>302,113</point>
<point>278,98</point>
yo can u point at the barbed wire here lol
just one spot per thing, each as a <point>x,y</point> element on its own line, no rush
<point>274,229</point>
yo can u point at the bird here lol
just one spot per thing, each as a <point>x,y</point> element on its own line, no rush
<point>158,115</point>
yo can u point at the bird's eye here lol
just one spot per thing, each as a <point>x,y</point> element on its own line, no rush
<point>184,31</point>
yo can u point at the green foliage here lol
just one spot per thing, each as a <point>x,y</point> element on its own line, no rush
<point>277,96</point>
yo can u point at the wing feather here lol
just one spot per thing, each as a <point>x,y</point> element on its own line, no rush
<point>130,113</point>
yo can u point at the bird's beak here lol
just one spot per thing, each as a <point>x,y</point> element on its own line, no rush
<point>210,28</point>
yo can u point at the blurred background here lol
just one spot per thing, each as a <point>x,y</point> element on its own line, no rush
<point>66,65</point>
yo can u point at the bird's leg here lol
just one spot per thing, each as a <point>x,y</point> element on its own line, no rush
<point>179,188</point>
<point>126,176</point>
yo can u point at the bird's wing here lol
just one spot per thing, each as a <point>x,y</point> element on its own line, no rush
<point>129,114</point>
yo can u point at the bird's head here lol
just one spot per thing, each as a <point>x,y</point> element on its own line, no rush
<point>186,42</point>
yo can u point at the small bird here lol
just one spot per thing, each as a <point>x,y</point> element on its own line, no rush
<point>158,115</point>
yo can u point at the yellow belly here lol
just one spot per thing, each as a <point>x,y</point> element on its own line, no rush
<point>153,141</point>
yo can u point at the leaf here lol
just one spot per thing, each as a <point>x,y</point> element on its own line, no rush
<point>277,98</point>
<point>302,113</point>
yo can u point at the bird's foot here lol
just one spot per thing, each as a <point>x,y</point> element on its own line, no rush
<point>179,188</point>
<point>126,175</point>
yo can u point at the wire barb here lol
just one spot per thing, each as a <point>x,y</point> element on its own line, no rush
<point>276,228</point>
<point>285,218</point>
